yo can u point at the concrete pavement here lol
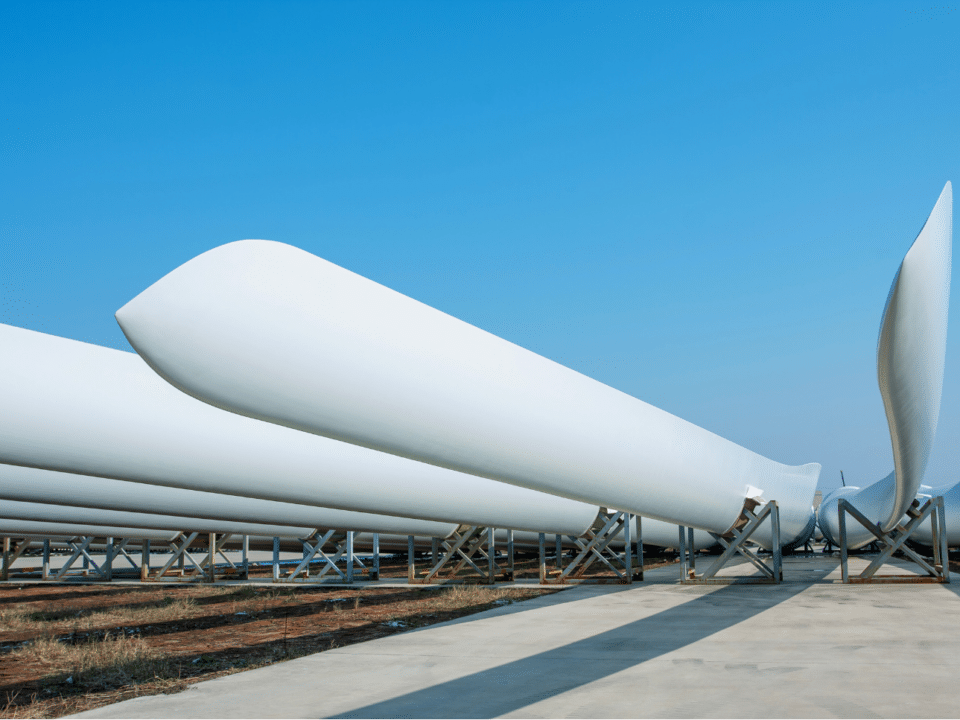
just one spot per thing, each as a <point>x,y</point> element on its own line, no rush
<point>806,648</point>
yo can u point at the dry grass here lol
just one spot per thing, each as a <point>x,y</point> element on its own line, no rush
<point>68,649</point>
<point>13,619</point>
<point>96,664</point>
<point>88,674</point>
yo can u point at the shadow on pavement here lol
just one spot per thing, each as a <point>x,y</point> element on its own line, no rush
<point>512,686</point>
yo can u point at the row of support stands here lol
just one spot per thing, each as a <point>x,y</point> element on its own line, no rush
<point>595,546</point>
<point>937,571</point>
<point>470,554</point>
<point>175,567</point>
<point>80,548</point>
<point>734,542</point>
<point>471,547</point>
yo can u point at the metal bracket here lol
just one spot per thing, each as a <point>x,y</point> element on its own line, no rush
<point>895,539</point>
<point>465,543</point>
<point>734,542</point>
<point>594,546</point>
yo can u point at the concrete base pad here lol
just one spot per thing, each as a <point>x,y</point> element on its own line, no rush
<point>807,648</point>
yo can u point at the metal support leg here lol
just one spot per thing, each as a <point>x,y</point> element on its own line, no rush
<point>692,552</point>
<point>246,557</point>
<point>211,557</point>
<point>512,571</point>
<point>627,549</point>
<point>108,565</point>
<point>46,559</point>
<point>775,542</point>
<point>375,572</point>
<point>944,552</point>
<point>350,557</point>
<point>5,570</point>
<point>144,560</point>
<point>306,566</point>
<point>639,548</point>
<point>684,570</point>
<point>491,558</point>
<point>411,562</point>
<point>543,559</point>
<point>842,521</point>
<point>435,550</point>
<point>559,552</point>
<point>276,559</point>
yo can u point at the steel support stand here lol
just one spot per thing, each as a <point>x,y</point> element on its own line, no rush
<point>80,549</point>
<point>512,572</point>
<point>937,571</point>
<point>180,553</point>
<point>375,571</point>
<point>592,547</point>
<point>245,551</point>
<point>464,544</point>
<point>734,542</point>
<point>342,548</point>
<point>46,559</point>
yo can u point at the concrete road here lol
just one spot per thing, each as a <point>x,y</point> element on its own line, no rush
<point>806,648</point>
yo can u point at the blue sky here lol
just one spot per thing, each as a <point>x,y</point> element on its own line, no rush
<point>700,204</point>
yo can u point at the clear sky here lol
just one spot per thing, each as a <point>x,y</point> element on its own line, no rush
<point>700,204</point>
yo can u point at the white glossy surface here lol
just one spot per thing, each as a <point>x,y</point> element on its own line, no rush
<point>272,332</point>
<point>34,485</point>
<point>86,409</point>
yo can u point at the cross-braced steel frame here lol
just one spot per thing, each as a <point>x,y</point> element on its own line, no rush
<point>595,546</point>
<point>937,571</point>
<point>472,547</point>
<point>331,547</point>
<point>734,542</point>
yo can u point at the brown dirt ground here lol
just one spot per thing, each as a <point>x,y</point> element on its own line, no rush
<point>70,647</point>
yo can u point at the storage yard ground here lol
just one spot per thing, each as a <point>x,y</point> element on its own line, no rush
<point>807,648</point>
